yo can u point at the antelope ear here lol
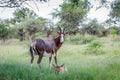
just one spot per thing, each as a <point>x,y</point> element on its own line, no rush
<point>66,32</point>
<point>58,32</point>
<point>62,65</point>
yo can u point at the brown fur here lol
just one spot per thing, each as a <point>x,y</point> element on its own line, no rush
<point>60,69</point>
<point>49,45</point>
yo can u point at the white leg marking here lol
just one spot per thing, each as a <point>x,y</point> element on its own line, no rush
<point>54,54</point>
<point>50,64</point>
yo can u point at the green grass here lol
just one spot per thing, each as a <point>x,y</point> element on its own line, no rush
<point>95,47</point>
<point>15,62</point>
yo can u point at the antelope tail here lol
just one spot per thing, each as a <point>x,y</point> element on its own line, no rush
<point>33,50</point>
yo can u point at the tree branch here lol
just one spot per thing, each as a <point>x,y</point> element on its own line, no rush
<point>14,3</point>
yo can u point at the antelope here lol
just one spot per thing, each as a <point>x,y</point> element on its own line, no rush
<point>47,47</point>
<point>60,69</point>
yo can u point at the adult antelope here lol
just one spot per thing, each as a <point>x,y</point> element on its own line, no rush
<point>47,47</point>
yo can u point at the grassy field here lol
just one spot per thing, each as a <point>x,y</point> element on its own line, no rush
<point>15,61</point>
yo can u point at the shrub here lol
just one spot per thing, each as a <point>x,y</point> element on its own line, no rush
<point>80,39</point>
<point>3,31</point>
<point>113,32</point>
<point>87,39</point>
<point>95,44</point>
<point>95,47</point>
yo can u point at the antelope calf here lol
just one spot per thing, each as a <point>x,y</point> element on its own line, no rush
<point>60,69</point>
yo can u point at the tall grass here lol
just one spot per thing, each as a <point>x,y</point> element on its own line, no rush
<point>15,62</point>
<point>95,47</point>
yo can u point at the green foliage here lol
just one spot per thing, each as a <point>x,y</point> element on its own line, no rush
<point>80,39</point>
<point>113,32</point>
<point>12,33</point>
<point>95,44</point>
<point>21,14</point>
<point>29,26</point>
<point>3,31</point>
<point>71,14</point>
<point>115,10</point>
<point>88,38</point>
<point>7,30</point>
<point>95,47</point>
<point>38,23</point>
<point>18,3</point>
<point>93,27</point>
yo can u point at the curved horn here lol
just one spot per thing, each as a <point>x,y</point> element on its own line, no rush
<point>59,28</point>
<point>62,65</point>
<point>63,28</point>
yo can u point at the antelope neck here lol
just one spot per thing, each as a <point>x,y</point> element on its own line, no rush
<point>57,42</point>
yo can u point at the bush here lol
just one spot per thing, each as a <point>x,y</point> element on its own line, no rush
<point>95,47</point>
<point>87,39</point>
<point>95,44</point>
<point>113,32</point>
<point>3,31</point>
<point>80,39</point>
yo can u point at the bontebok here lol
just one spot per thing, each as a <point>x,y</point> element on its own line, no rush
<point>60,69</point>
<point>47,47</point>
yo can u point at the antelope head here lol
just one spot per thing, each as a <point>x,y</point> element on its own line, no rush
<point>61,33</point>
<point>60,69</point>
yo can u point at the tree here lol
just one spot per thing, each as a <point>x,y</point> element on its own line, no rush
<point>114,30</point>
<point>115,10</point>
<point>72,13</point>
<point>3,31</point>
<point>94,28</point>
<point>21,14</point>
<point>29,26</point>
<point>16,3</point>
